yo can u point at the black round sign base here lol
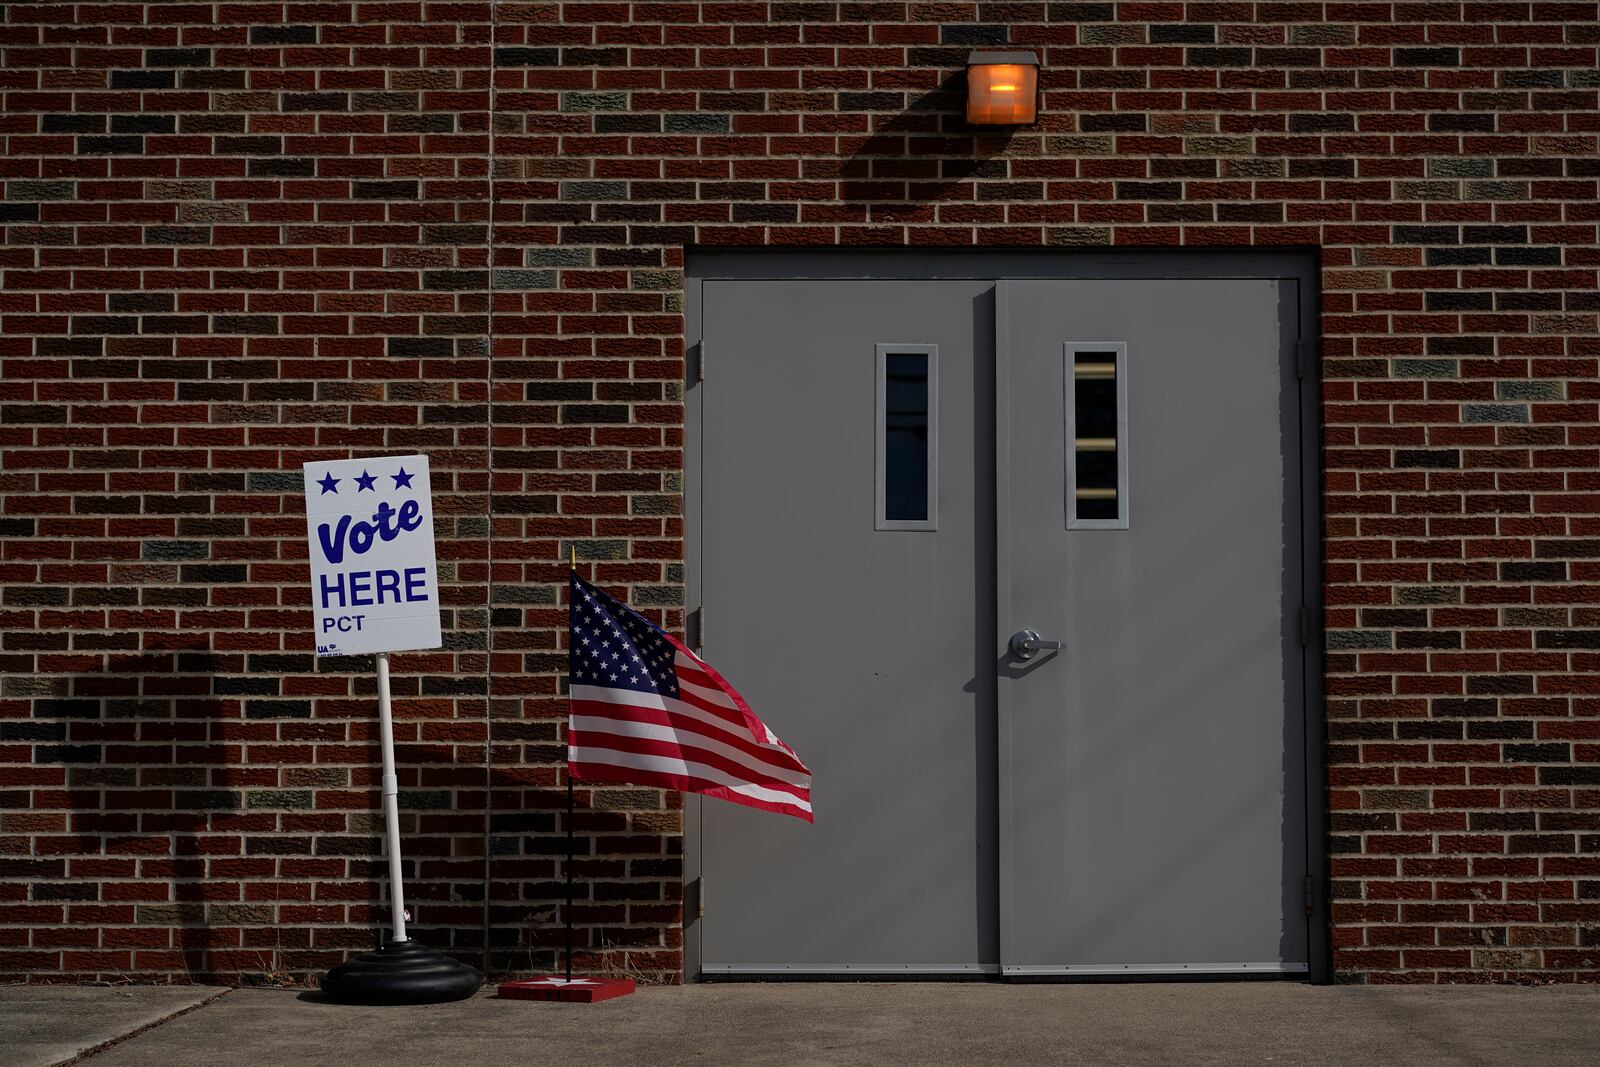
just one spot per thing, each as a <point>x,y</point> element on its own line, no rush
<point>401,972</point>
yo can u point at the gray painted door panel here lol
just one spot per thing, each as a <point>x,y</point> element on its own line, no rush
<point>1153,782</point>
<point>1133,803</point>
<point>859,647</point>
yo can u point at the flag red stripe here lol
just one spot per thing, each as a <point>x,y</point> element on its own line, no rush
<point>788,754</point>
<point>685,764</point>
<point>684,749</point>
<point>689,674</point>
<point>689,727</point>
<point>599,772</point>
<point>728,715</point>
<point>758,729</point>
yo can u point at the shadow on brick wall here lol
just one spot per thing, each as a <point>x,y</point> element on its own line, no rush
<point>199,825</point>
<point>198,832</point>
<point>169,841</point>
<point>920,160</point>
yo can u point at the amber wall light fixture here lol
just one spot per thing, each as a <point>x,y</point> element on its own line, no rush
<point>1002,88</point>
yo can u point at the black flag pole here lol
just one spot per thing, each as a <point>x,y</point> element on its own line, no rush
<point>569,874</point>
<point>590,988</point>
<point>573,560</point>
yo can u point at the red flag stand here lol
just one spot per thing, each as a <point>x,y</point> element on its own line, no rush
<point>564,987</point>
<point>570,990</point>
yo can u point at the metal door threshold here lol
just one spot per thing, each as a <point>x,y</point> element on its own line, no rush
<point>848,972</point>
<point>1095,969</point>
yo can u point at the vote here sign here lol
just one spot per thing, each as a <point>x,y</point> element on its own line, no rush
<point>374,587</point>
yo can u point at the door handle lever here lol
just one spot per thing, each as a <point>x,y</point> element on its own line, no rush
<point>1025,644</point>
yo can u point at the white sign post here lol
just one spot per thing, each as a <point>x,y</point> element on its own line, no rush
<point>375,588</point>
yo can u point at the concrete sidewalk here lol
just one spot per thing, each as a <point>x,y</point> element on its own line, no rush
<point>43,1025</point>
<point>909,1025</point>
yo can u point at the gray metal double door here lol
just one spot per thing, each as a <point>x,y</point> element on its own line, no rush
<point>891,478</point>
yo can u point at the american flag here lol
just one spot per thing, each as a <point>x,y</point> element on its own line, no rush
<point>647,711</point>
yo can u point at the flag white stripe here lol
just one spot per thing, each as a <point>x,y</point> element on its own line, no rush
<point>627,698</point>
<point>688,661</point>
<point>734,733</point>
<point>649,731</point>
<point>709,694</point>
<point>639,761</point>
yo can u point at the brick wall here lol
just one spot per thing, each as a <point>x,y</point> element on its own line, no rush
<point>239,236</point>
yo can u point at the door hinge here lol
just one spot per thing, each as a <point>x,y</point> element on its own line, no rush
<point>1305,626</point>
<point>1299,358</point>
<point>700,362</point>
<point>697,628</point>
<point>700,897</point>
<point>1311,895</point>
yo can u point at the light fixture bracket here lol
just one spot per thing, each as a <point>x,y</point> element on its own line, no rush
<point>984,58</point>
<point>1002,88</point>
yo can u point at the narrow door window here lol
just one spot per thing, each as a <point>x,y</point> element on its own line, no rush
<point>907,437</point>
<point>1097,428</point>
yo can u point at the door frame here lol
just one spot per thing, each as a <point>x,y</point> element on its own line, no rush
<point>1299,270</point>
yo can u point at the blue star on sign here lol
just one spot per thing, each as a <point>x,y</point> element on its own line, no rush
<point>402,479</point>
<point>365,480</point>
<point>328,481</point>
